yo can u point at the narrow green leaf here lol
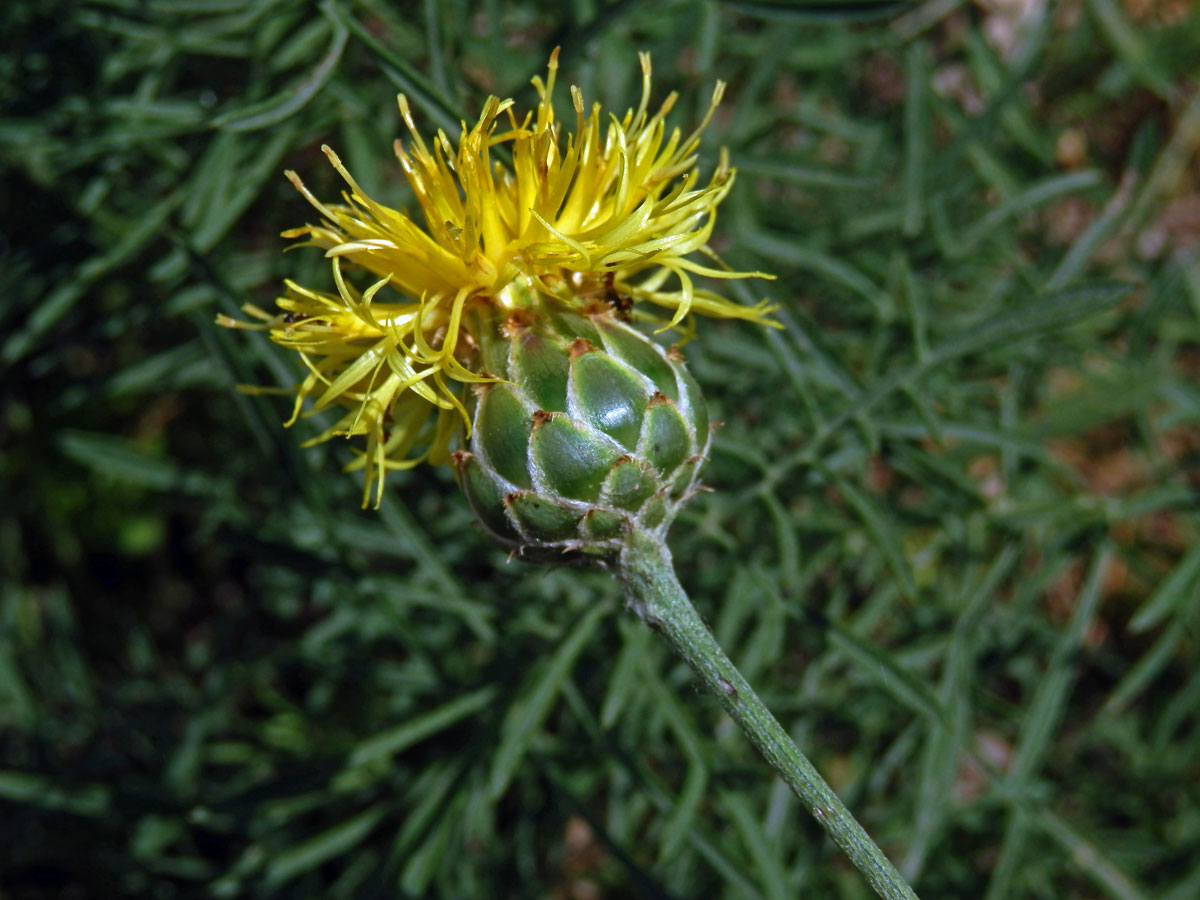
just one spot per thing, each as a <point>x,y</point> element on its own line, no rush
<point>817,11</point>
<point>333,842</point>
<point>1037,194</point>
<point>290,101</point>
<point>885,534</point>
<point>1148,667</point>
<point>791,172</point>
<point>626,674</point>
<point>118,458</point>
<point>1094,860</point>
<point>916,137</point>
<point>399,71</point>
<point>528,712</point>
<point>763,852</point>
<point>156,372</point>
<point>882,667</point>
<point>421,865</point>
<point>1129,43</point>
<point>49,793</point>
<point>1177,593</point>
<point>63,298</point>
<point>837,271</point>
<point>1042,716</point>
<point>695,778</point>
<point>406,734</point>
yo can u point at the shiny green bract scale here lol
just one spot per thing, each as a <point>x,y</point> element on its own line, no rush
<point>593,431</point>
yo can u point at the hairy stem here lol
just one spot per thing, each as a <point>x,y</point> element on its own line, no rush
<point>655,594</point>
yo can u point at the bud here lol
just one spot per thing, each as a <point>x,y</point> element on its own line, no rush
<point>590,432</point>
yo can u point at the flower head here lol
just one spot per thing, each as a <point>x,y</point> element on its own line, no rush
<point>612,211</point>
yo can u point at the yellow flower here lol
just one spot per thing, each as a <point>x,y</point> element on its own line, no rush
<point>617,212</point>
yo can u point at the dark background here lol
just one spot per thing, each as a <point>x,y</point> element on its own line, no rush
<point>953,537</point>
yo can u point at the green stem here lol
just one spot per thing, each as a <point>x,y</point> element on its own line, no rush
<point>646,569</point>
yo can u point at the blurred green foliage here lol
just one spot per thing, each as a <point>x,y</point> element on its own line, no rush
<point>953,538</point>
